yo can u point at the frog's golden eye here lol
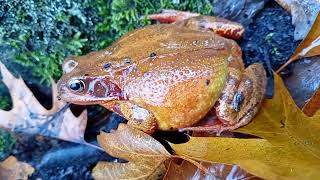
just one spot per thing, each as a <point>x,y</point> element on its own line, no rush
<point>77,85</point>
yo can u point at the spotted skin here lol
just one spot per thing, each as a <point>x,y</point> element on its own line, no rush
<point>168,76</point>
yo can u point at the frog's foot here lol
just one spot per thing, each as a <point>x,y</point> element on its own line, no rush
<point>237,108</point>
<point>171,16</point>
<point>138,117</point>
<point>218,25</point>
<point>218,127</point>
<point>195,21</point>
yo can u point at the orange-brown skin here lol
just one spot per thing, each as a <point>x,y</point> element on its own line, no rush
<point>166,77</point>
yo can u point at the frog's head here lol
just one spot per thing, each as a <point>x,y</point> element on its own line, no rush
<point>85,81</point>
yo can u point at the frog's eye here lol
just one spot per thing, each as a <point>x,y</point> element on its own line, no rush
<point>77,85</point>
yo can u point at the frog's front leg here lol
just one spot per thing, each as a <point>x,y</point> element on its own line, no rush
<point>137,116</point>
<point>221,26</point>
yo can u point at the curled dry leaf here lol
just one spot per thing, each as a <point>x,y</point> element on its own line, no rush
<point>29,116</point>
<point>11,169</point>
<point>145,155</point>
<point>290,148</point>
<point>303,12</point>
<point>313,104</point>
<point>310,46</point>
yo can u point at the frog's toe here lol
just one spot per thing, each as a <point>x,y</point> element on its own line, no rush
<point>171,16</point>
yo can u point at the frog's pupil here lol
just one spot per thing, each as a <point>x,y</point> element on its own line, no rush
<point>75,86</point>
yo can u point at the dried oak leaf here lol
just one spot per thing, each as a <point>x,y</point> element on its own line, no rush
<point>290,148</point>
<point>310,46</point>
<point>145,155</point>
<point>29,116</point>
<point>11,169</point>
<point>303,12</point>
<point>313,104</point>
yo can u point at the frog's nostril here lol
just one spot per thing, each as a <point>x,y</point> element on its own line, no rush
<point>153,54</point>
<point>59,98</point>
<point>107,65</point>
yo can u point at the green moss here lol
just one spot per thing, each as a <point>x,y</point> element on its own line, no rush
<point>36,36</point>
<point>7,141</point>
<point>5,102</point>
<point>43,33</point>
<point>122,16</point>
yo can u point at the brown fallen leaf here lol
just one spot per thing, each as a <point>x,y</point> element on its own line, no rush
<point>313,104</point>
<point>148,158</point>
<point>11,169</point>
<point>303,12</point>
<point>290,148</point>
<point>145,155</point>
<point>29,116</point>
<point>187,170</point>
<point>310,46</point>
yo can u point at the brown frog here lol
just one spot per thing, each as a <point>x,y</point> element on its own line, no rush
<point>169,76</point>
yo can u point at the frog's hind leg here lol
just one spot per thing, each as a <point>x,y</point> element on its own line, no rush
<point>239,101</point>
<point>237,109</point>
<point>221,26</point>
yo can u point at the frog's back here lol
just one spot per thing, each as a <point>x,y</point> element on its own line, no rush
<point>178,73</point>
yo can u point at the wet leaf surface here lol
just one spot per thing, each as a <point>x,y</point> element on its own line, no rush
<point>148,159</point>
<point>304,80</point>
<point>290,148</point>
<point>11,169</point>
<point>187,170</point>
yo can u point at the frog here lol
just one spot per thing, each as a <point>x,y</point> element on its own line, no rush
<point>169,76</point>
